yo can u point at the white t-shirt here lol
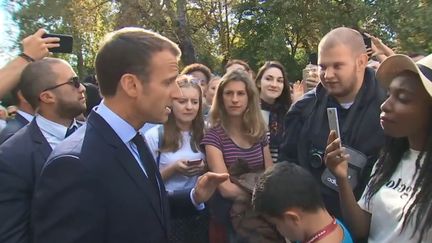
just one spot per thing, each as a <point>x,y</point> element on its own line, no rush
<point>177,181</point>
<point>387,204</point>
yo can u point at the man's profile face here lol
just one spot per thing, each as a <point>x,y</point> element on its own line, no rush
<point>338,70</point>
<point>70,100</point>
<point>156,93</point>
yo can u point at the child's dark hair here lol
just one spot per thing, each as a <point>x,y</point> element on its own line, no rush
<point>286,185</point>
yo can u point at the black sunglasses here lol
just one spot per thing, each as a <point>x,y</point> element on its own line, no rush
<point>73,81</point>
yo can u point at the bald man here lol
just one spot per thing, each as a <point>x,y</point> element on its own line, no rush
<point>348,85</point>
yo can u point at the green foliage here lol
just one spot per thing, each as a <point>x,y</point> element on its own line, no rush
<point>411,30</point>
<point>86,20</point>
<point>213,31</point>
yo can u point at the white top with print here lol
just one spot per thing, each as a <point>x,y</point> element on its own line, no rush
<point>387,204</point>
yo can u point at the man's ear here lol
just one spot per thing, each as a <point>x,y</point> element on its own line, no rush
<point>362,61</point>
<point>129,84</point>
<point>47,97</point>
<point>292,216</point>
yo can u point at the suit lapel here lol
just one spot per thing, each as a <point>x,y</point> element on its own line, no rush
<point>41,149</point>
<point>21,119</point>
<point>128,162</point>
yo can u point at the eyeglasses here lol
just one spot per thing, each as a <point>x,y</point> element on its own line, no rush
<point>198,81</point>
<point>183,81</point>
<point>73,81</point>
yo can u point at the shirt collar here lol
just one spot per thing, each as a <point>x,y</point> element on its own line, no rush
<point>27,116</point>
<point>74,124</point>
<point>50,127</point>
<point>123,129</point>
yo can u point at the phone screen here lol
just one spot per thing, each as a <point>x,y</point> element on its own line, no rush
<point>66,43</point>
<point>333,120</point>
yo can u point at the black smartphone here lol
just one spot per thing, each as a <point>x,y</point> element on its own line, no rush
<point>66,43</point>
<point>367,41</point>
<point>313,58</point>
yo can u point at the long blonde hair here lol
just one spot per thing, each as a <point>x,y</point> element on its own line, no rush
<point>172,139</point>
<point>252,120</point>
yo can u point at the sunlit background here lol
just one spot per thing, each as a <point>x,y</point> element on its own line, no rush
<point>8,32</point>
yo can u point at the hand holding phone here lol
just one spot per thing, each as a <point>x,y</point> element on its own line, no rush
<point>66,43</point>
<point>333,120</point>
<point>368,43</point>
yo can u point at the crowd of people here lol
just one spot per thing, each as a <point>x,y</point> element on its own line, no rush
<point>146,152</point>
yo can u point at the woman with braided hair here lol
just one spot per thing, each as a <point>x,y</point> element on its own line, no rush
<point>396,204</point>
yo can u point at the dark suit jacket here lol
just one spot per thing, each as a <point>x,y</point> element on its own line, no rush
<point>92,190</point>
<point>21,160</point>
<point>12,127</point>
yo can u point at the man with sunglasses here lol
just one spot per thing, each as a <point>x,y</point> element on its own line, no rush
<point>51,87</point>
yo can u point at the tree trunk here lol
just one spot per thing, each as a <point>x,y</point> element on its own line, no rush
<point>80,64</point>
<point>185,41</point>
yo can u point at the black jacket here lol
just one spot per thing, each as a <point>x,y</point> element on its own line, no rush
<point>307,129</point>
<point>21,160</point>
<point>92,190</point>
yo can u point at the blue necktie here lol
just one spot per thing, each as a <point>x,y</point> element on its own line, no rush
<point>147,161</point>
<point>70,130</point>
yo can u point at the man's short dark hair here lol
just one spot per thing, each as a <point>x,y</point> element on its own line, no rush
<point>93,97</point>
<point>198,67</point>
<point>14,96</point>
<point>286,185</point>
<point>128,50</point>
<point>36,77</point>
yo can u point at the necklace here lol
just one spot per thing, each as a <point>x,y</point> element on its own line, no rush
<point>323,232</point>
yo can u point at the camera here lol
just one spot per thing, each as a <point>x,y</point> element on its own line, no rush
<point>316,158</point>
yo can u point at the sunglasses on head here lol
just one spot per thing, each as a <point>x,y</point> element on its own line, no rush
<point>73,81</point>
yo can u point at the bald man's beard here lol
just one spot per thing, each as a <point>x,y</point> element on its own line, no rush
<point>345,87</point>
<point>69,110</point>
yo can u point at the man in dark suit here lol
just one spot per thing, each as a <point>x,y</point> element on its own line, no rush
<point>47,85</point>
<point>102,184</point>
<point>23,116</point>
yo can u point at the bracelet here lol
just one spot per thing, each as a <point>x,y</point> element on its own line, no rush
<point>26,57</point>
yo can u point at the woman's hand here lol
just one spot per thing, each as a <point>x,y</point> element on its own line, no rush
<point>335,158</point>
<point>379,49</point>
<point>297,90</point>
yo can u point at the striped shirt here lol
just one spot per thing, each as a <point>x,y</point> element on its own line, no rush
<point>217,137</point>
<point>274,150</point>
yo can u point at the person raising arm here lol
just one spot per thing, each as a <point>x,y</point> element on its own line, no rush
<point>34,48</point>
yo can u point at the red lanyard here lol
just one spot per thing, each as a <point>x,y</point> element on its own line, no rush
<point>324,232</point>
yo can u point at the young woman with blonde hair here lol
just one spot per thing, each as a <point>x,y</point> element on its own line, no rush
<point>175,147</point>
<point>237,134</point>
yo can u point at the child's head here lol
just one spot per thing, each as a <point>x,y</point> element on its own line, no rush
<point>286,194</point>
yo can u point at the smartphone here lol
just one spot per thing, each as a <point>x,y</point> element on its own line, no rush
<point>367,41</point>
<point>313,58</point>
<point>333,120</point>
<point>194,162</point>
<point>66,43</point>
